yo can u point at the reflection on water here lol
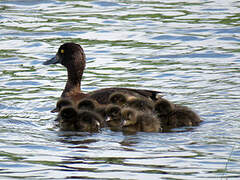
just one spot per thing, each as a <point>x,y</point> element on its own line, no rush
<point>189,50</point>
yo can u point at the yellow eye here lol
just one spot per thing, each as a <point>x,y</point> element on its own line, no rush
<point>62,51</point>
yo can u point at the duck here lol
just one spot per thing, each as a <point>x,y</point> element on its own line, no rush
<point>62,102</point>
<point>135,121</point>
<point>113,113</point>
<point>73,58</point>
<point>89,121</point>
<point>71,119</point>
<point>90,104</point>
<point>87,104</point>
<point>67,117</point>
<point>141,104</point>
<point>121,98</point>
<point>174,116</point>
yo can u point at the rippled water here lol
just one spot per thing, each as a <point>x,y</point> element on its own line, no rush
<point>189,50</point>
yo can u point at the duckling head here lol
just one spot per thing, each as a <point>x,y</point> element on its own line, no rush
<point>62,103</point>
<point>67,118</point>
<point>87,104</point>
<point>118,98</point>
<point>113,113</point>
<point>88,121</point>
<point>163,107</point>
<point>128,117</point>
<point>68,114</point>
<point>140,104</point>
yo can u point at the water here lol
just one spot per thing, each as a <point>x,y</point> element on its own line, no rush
<point>189,50</point>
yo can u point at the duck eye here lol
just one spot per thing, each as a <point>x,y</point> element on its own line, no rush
<point>62,51</point>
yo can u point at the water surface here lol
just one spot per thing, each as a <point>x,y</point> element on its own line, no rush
<point>189,50</point>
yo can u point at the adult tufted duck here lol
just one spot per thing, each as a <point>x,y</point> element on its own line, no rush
<point>72,56</point>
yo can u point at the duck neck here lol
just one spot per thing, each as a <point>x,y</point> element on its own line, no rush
<point>74,81</point>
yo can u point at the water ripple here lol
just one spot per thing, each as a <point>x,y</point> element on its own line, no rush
<point>189,50</point>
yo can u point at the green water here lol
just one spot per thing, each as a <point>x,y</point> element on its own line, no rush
<point>189,50</point>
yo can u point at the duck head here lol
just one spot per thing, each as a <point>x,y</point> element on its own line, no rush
<point>67,55</point>
<point>71,56</point>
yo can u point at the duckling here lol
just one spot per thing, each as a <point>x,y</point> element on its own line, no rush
<point>134,121</point>
<point>89,121</point>
<point>113,113</point>
<point>63,102</point>
<point>141,104</point>
<point>72,56</point>
<point>90,104</point>
<point>120,98</point>
<point>163,106</point>
<point>87,104</point>
<point>101,110</point>
<point>174,116</point>
<point>67,117</point>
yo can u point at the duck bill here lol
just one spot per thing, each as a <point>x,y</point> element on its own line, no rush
<point>53,60</point>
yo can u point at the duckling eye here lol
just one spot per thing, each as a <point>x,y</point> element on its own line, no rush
<point>62,51</point>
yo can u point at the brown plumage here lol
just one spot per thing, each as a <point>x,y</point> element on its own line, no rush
<point>89,121</point>
<point>141,104</point>
<point>67,118</point>
<point>113,113</point>
<point>134,121</point>
<point>173,116</point>
<point>63,102</point>
<point>72,56</point>
<point>118,98</point>
<point>86,104</point>
<point>71,119</point>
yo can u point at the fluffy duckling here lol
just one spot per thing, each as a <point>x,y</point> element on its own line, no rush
<point>174,116</point>
<point>134,121</point>
<point>89,121</point>
<point>63,102</point>
<point>67,118</point>
<point>113,113</point>
<point>90,104</point>
<point>141,104</point>
<point>86,104</point>
<point>163,107</point>
<point>120,98</point>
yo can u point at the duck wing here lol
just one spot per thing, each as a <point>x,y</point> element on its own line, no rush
<point>102,95</point>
